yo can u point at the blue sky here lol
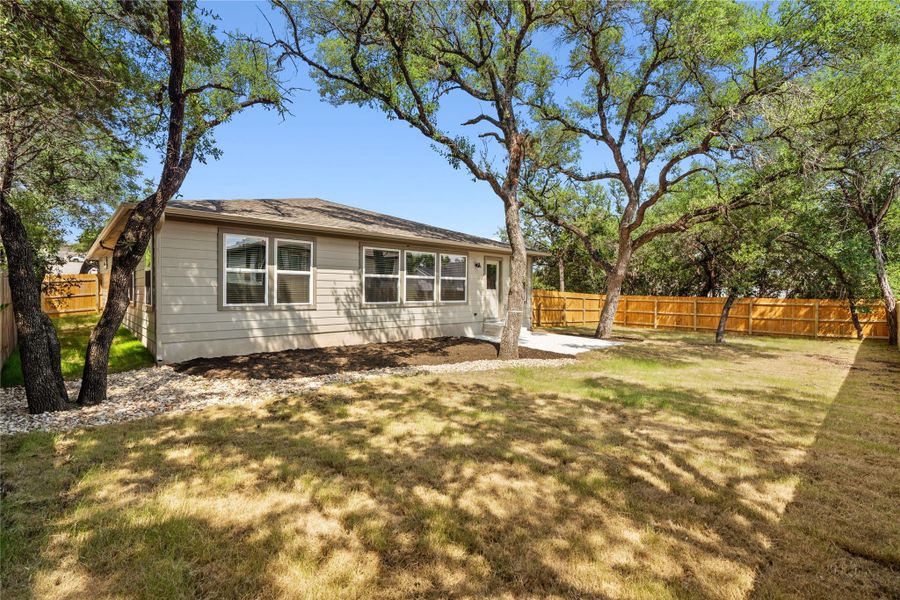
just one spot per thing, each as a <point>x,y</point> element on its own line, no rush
<point>350,154</point>
<point>345,154</point>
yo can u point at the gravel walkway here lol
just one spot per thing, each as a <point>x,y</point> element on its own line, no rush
<point>156,390</point>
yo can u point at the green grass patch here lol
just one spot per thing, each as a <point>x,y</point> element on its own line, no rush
<point>126,353</point>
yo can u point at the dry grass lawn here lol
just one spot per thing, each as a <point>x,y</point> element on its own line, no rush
<point>671,468</point>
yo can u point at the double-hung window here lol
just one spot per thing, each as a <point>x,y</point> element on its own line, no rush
<point>293,272</point>
<point>381,275</point>
<point>420,272</point>
<point>245,279</point>
<point>453,277</point>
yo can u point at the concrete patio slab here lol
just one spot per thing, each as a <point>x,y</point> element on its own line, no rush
<point>555,342</point>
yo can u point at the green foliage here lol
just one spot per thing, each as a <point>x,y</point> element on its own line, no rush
<point>65,154</point>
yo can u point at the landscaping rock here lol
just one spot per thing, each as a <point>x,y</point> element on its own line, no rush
<point>146,392</point>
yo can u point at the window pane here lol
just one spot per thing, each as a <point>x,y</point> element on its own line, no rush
<point>382,262</point>
<point>453,290</point>
<point>491,276</point>
<point>245,288</point>
<point>453,266</point>
<point>382,289</point>
<point>420,263</point>
<point>245,252</point>
<point>148,286</point>
<point>293,289</point>
<point>294,256</point>
<point>420,290</point>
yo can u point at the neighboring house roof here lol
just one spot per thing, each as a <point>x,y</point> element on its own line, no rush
<point>311,214</point>
<point>68,268</point>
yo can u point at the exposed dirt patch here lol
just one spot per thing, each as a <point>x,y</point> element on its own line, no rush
<point>365,357</point>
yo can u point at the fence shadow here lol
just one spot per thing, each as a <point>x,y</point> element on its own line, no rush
<point>827,544</point>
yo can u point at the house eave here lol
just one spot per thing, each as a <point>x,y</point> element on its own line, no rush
<point>110,232</point>
<point>336,231</point>
<point>103,245</point>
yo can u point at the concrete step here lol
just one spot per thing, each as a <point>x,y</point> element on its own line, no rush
<point>493,327</point>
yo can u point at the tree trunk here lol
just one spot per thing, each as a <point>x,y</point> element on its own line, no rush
<point>723,318</point>
<point>854,316</point>
<point>515,304</point>
<point>890,301</point>
<point>45,389</point>
<point>96,363</point>
<point>614,280</point>
<point>132,242</point>
<point>561,264</point>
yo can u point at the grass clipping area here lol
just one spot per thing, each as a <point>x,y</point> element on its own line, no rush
<point>671,468</point>
<point>125,354</point>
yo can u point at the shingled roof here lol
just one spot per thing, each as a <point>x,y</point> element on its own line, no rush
<point>316,213</point>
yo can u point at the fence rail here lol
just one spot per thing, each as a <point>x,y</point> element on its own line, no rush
<point>70,294</point>
<point>773,316</point>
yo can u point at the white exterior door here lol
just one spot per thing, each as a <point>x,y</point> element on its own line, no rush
<point>492,289</point>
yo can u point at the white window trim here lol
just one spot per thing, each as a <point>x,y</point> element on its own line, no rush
<point>132,288</point>
<point>312,286</point>
<point>464,279</point>
<point>226,269</point>
<point>433,278</point>
<point>397,276</point>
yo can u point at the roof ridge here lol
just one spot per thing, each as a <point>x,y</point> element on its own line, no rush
<point>396,219</point>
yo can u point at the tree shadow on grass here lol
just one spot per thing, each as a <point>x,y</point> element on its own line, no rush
<point>422,487</point>
<point>840,535</point>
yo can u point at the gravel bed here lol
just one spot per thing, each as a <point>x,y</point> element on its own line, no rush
<point>156,390</point>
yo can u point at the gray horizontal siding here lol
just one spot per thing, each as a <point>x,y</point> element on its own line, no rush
<point>191,323</point>
<point>141,319</point>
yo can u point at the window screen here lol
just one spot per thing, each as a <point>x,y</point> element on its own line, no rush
<point>420,272</point>
<point>453,278</point>
<point>245,269</point>
<point>293,275</point>
<point>381,275</point>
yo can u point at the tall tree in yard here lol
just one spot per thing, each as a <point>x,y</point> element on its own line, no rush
<point>407,58</point>
<point>64,156</point>
<point>206,81</point>
<point>671,91</point>
<point>851,136</point>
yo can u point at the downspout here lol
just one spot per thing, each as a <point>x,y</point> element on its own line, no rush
<point>157,278</point>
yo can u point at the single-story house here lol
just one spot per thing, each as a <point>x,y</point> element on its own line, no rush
<point>227,277</point>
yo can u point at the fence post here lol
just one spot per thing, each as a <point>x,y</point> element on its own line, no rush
<point>655,310</point>
<point>750,317</point>
<point>583,312</point>
<point>625,312</point>
<point>816,332</point>
<point>97,286</point>
<point>695,313</point>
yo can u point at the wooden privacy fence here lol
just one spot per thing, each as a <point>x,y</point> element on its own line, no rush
<point>7,322</point>
<point>773,316</point>
<point>71,294</point>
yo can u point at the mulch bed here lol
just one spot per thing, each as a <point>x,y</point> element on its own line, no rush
<point>336,359</point>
